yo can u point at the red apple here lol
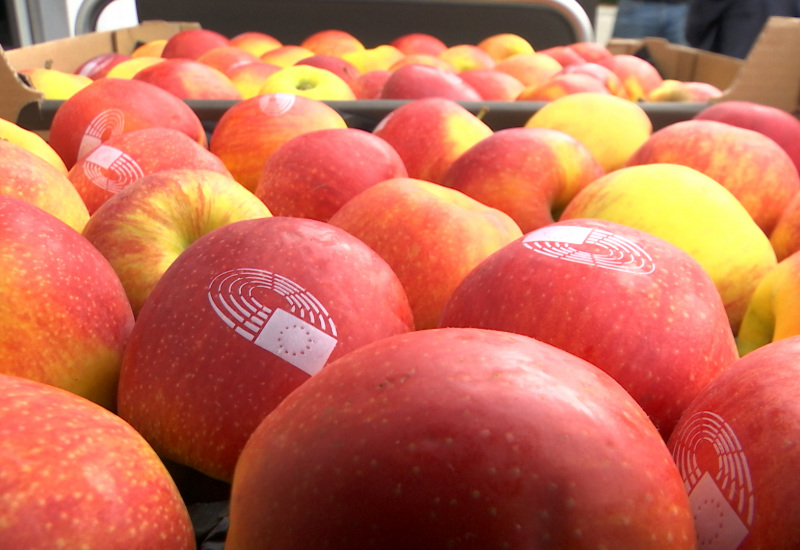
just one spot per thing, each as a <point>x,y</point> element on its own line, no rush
<point>225,58</point>
<point>370,84</point>
<point>738,451</point>
<point>432,236</point>
<point>338,66</point>
<point>98,65</point>
<point>192,43</point>
<point>65,316</point>
<point>415,81</point>
<point>419,43</point>
<point>250,131</point>
<point>190,79</point>
<point>112,106</point>
<point>459,438</point>
<point>142,229</point>
<point>562,84</point>
<point>245,315</point>
<point>430,134</point>
<point>634,305</point>
<point>602,73</point>
<point>423,59</point>
<point>493,85</point>
<point>529,68</point>
<point>785,236</point>
<point>314,174</point>
<point>28,177</point>
<point>255,42</point>
<point>466,57</point>
<point>123,159</point>
<point>591,51</point>
<point>753,167</point>
<point>332,42</point>
<point>531,174</point>
<point>564,55</point>
<point>77,476</point>
<point>775,123</point>
<point>639,76</point>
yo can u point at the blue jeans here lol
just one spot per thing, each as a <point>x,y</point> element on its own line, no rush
<point>637,19</point>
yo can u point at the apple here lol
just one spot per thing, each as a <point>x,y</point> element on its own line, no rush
<point>493,85</point>
<point>338,66</point>
<point>119,161</point>
<point>98,65</point>
<point>225,58</point>
<point>249,131</point>
<point>130,67</point>
<point>636,306</point>
<point>771,313</point>
<point>28,177</point>
<point>785,236</point>
<point>430,134</point>
<point>33,142</point>
<point>190,79</point>
<point>458,438</point>
<point>564,54</point>
<point>591,51</point>
<point>285,55</point>
<point>333,42</point>
<point>602,73</point>
<point>192,43</point>
<point>692,211</point>
<point>687,91</point>
<point>55,84</point>
<point>780,125</point>
<point>312,175</point>
<point>65,316</point>
<point>531,174</point>
<point>255,42</point>
<point>750,165</point>
<point>529,68</point>
<point>150,48</point>
<point>417,81</point>
<point>611,127</point>
<point>308,81</point>
<point>111,106</point>
<point>562,84</point>
<point>249,77</point>
<point>505,44</point>
<point>737,450</point>
<point>418,43</point>
<point>142,229</point>
<point>465,57</point>
<point>639,76</point>
<point>423,59</point>
<point>369,85</point>
<point>430,235</point>
<point>243,316</point>
<point>77,476</point>
<point>380,57</point>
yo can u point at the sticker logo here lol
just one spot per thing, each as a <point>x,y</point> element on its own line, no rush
<point>717,477</point>
<point>276,104</point>
<point>590,246</point>
<point>111,169</point>
<point>300,332</point>
<point>105,125</point>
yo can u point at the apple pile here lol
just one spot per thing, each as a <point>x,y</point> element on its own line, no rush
<point>335,65</point>
<point>576,333</point>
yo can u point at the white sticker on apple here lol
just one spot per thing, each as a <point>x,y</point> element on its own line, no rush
<point>111,169</point>
<point>276,104</point>
<point>590,246</point>
<point>297,328</point>
<point>714,468</point>
<point>106,124</point>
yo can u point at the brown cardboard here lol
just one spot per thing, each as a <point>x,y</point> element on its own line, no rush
<point>67,54</point>
<point>770,75</point>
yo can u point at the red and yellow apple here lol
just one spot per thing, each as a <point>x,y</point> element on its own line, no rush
<point>308,81</point>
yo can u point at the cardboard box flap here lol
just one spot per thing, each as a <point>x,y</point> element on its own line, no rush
<point>771,73</point>
<point>67,54</point>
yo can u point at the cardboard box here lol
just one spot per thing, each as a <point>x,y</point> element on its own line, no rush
<point>66,55</point>
<point>770,75</point>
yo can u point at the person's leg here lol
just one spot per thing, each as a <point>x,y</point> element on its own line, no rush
<point>674,28</point>
<point>636,19</point>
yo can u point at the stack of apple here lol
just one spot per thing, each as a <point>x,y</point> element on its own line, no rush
<point>334,65</point>
<point>430,334</point>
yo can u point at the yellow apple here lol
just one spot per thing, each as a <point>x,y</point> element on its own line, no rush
<point>309,81</point>
<point>33,142</point>
<point>506,44</point>
<point>692,211</point>
<point>55,84</point>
